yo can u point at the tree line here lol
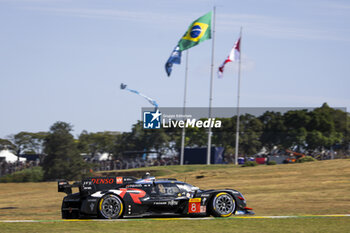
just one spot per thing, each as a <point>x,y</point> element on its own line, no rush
<point>321,128</point>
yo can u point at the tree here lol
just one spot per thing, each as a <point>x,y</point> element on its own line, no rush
<point>25,143</point>
<point>274,129</point>
<point>63,160</point>
<point>250,131</point>
<point>195,137</point>
<point>149,139</point>
<point>123,143</point>
<point>226,135</point>
<point>326,128</point>
<point>22,142</point>
<point>38,140</point>
<point>296,123</point>
<point>6,144</point>
<point>100,142</point>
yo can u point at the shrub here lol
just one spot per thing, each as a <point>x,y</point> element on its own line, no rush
<point>63,160</point>
<point>27,175</point>
<point>271,162</point>
<point>250,164</point>
<point>306,159</point>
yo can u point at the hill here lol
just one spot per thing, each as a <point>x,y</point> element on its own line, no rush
<point>321,187</point>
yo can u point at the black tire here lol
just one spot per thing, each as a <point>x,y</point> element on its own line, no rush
<point>110,207</point>
<point>223,205</point>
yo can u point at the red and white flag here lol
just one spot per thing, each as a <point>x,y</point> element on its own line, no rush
<point>234,55</point>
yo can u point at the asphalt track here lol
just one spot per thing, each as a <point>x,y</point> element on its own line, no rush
<point>167,219</point>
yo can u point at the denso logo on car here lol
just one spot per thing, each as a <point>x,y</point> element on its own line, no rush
<point>102,180</point>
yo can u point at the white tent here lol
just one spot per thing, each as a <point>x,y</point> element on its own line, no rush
<point>101,156</point>
<point>10,157</point>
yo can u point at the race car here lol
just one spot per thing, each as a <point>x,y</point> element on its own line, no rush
<point>125,197</point>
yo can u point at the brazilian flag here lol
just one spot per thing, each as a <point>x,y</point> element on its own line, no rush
<point>198,31</point>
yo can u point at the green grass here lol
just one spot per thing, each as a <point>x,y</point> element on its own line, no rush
<point>218,225</point>
<point>321,187</point>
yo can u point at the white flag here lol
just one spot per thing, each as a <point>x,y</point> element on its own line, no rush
<point>234,55</point>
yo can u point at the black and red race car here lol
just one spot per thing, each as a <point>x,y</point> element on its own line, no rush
<point>116,197</point>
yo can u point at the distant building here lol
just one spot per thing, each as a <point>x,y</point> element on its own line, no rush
<point>9,157</point>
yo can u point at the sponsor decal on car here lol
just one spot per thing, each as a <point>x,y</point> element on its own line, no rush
<point>195,200</point>
<point>86,183</point>
<point>172,203</point>
<point>135,194</point>
<point>160,203</point>
<point>134,186</point>
<point>119,180</point>
<point>92,205</point>
<point>194,205</point>
<point>102,180</point>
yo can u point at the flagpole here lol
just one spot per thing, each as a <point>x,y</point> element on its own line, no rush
<point>238,97</point>
<point>211,89</point>
<point>184,112</point>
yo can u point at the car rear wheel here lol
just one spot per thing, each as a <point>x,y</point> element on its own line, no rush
<point>223,205</point>
<point>111,206</point>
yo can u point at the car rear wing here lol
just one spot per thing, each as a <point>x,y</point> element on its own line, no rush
<point>65,187</point>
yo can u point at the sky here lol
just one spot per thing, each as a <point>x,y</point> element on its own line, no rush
<point>64,60</point>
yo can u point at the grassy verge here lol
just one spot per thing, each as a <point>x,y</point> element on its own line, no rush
<point>293,189</point>
<point>218,225</point>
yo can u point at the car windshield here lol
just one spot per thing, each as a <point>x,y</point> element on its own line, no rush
<point>167,189</point>
<point>187,187</point>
